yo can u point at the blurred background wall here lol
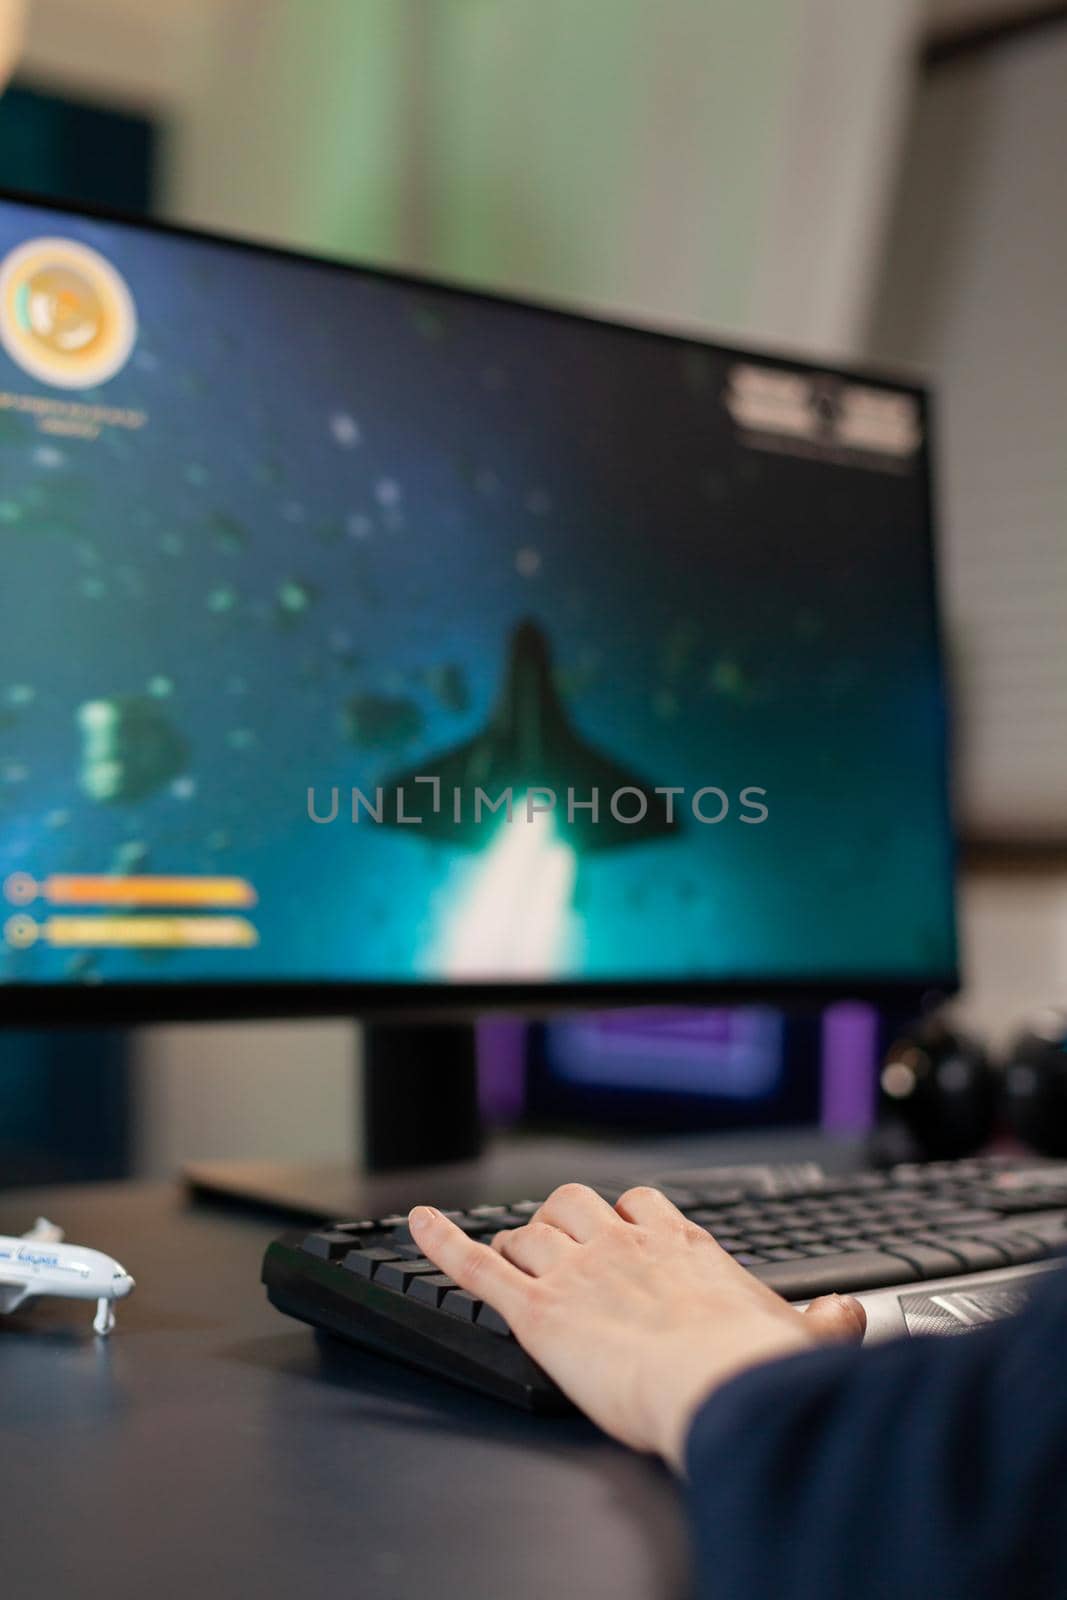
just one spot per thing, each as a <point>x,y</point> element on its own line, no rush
<point>672,160</point>
<point>852,178</point>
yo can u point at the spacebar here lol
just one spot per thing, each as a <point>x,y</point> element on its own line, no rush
<point>861,1269</point>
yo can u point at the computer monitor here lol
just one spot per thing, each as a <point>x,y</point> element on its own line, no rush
<point>372,645</point>
<point>731,1067</point>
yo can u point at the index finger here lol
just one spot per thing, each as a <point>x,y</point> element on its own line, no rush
<point>475,1267</point>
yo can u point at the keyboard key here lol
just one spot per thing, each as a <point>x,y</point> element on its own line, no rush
<point>399,1274</point>
<point>836,1274</point>
<point>488,1318</point>
<point>927,1259</point>
<point>328,1245</point>
<point>458,1303</point>
<point>1027,1200</point>
<point>972,1254</point>
<point>1018,1247</point>
<point>430,1288</point>
<point>365,1259</point>
<point>965,1219</point>
<point>861,1182</point>
<point>1051,1226</point>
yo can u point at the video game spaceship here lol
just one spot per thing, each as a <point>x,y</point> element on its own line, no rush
<point>529,743</point>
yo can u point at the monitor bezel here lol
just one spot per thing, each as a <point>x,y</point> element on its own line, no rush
<point>29,1004</point>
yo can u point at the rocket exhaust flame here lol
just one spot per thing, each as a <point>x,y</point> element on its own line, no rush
<point>513,919</point>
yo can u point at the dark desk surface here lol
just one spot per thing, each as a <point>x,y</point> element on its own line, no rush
<point>213,1447</point>
<point>212,1444</point>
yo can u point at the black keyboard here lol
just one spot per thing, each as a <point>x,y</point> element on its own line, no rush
<point>367,1281</point>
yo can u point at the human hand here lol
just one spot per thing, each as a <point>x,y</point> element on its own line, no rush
<point>635,1312</point>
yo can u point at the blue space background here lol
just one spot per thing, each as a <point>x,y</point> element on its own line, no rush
<point>421,470</point>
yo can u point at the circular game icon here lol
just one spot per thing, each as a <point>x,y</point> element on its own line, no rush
<point>21,931</point>
<point>20,888</point>
<point>66,315</point>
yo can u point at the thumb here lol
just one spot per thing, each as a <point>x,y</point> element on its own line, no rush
<point>836,1317</point>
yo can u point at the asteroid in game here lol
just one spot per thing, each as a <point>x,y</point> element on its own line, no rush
<point>293,601</point>
<point>381,722</point>
<point>447,682</point>
<point>130,749</point>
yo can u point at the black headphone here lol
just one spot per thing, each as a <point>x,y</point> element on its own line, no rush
<point>937,1094</point>
<point>1035,1083</point>
<point>940,1091</point>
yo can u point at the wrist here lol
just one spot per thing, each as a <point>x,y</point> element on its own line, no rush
<point>674,1409</point>
<point>696,1379</point>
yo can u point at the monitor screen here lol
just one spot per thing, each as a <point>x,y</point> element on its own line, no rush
<point>360,631</point>
<point>738,1066</point>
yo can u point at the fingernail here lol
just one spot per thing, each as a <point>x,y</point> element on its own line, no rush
<point>421,1217</point>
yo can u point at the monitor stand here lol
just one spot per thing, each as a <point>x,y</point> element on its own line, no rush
<point>420,1095</point>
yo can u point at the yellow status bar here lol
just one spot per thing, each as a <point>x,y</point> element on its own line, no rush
<point>130,933</point>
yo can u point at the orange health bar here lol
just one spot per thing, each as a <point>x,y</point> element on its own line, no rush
<point>147,889</point>
<point>157,933</point>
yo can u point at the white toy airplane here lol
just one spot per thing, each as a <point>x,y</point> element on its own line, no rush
<point>39,1263</point>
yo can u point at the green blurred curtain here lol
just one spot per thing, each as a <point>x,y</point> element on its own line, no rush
<point>594,149</point>
<point>724,163</point>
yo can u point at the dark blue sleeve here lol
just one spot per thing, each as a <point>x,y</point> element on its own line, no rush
<point>925,1467</point>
